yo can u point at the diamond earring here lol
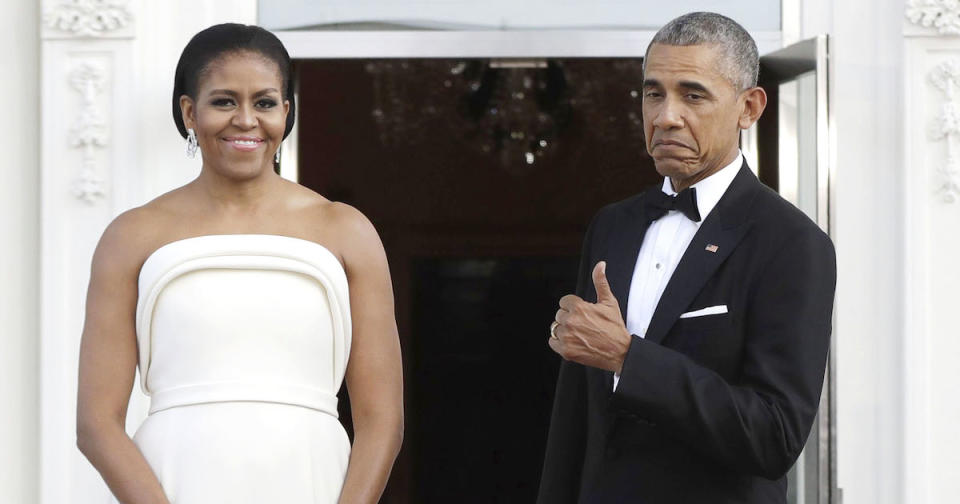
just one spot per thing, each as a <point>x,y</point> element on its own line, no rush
<point>191,143</point>
<point>276,156</point>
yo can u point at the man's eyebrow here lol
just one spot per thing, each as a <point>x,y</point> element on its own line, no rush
<point>694,85</point>
<point>651,83</point>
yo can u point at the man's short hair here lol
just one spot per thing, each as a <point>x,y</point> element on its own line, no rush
<point>739,60</point>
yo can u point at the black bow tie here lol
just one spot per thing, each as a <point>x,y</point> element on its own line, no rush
<point>658,203</point>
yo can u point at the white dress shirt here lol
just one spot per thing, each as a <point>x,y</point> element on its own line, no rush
<point>666,240</point>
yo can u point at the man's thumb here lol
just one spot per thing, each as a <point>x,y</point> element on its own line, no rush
<point>600,283</point>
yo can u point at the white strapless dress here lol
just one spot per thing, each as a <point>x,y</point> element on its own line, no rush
<point>243,343</point>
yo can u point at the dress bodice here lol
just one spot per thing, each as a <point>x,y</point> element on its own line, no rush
<point>244,317</point>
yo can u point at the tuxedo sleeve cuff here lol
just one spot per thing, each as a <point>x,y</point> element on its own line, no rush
<point>635,375</point>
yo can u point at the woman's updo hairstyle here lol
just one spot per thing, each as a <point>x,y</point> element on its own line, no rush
<point>221,39</point>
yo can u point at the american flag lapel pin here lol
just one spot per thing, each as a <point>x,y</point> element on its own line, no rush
<point>712,248</point>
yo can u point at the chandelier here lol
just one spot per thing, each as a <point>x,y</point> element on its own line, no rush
<point>513,111</point>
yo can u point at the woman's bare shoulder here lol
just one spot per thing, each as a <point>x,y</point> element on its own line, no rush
<point>355,236</point>
<point>302,198</point>
<point>348,218</point>
<point>134,234</point>
<point>326,217</point>
<point>339,226</point>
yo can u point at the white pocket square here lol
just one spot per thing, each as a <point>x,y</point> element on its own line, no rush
<point>710,310</point>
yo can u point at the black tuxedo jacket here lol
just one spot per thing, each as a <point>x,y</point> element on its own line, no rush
<point>712,409</point>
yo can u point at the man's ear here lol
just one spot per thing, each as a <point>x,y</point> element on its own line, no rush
<point>754,102</point>
<point>188,112</point>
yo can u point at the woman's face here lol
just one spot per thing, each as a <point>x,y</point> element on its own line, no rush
<point>239,115</point>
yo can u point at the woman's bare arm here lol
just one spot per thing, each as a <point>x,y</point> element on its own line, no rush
<point>374,372</point>
<point>108,359</point>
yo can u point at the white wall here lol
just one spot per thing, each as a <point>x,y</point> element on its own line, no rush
<point>19,219</point>
<point>866,98</point>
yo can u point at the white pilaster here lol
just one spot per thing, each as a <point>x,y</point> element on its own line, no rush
<point>866,97</point>
<point>931,72</point>
<point>19,252</point>
<point>86,57</point>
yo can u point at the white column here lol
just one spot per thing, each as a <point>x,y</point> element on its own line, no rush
<point>86,60</point>
<point>866,209</point>
<point>867,218</point>
<point>931,119</point>
<point>19,266</point>
<point>108,144</point>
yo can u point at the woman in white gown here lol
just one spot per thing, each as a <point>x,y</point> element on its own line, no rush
<point>245,300</point>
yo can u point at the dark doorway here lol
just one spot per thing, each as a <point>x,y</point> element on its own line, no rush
<point>481,177</point>
<point>484,374</point>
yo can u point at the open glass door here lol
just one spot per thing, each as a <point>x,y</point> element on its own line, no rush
<point>789,147</point>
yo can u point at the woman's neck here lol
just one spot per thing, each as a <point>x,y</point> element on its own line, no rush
<point>234,196</point>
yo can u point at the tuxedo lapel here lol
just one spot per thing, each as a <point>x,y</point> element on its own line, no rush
<point>711,245</point>
<point>621,258</point>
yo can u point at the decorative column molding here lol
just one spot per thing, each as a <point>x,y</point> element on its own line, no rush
<point>79,32</point>
<point>942,15</point>
<point>940,20</point>
<point>89,131</point>
<point>946,126</point>
<point>88,18</point>
<point>89,116</point>
<point>931,212</point>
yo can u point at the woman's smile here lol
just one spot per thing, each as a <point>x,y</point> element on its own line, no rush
<point>244,143</point>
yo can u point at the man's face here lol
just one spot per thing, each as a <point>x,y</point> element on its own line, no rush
<point>691,113</point>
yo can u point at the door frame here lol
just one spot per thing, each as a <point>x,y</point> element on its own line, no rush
<point>799,59</point>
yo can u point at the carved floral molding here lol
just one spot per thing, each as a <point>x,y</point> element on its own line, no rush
<point>943,15</point>
<point>89,131</point>
<point>946,126</point>
<point>88,18</point>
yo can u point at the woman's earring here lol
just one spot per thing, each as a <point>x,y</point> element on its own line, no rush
<point>191,143</point>
<point>276,156</point>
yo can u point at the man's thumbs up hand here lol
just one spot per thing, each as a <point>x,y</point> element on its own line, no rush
<point>604,294</point>
<point>592,334</point>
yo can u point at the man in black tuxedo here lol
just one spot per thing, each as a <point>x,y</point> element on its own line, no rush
<point>706,391</point>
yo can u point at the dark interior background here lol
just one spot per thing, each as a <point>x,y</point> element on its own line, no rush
<point>481,242</point>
